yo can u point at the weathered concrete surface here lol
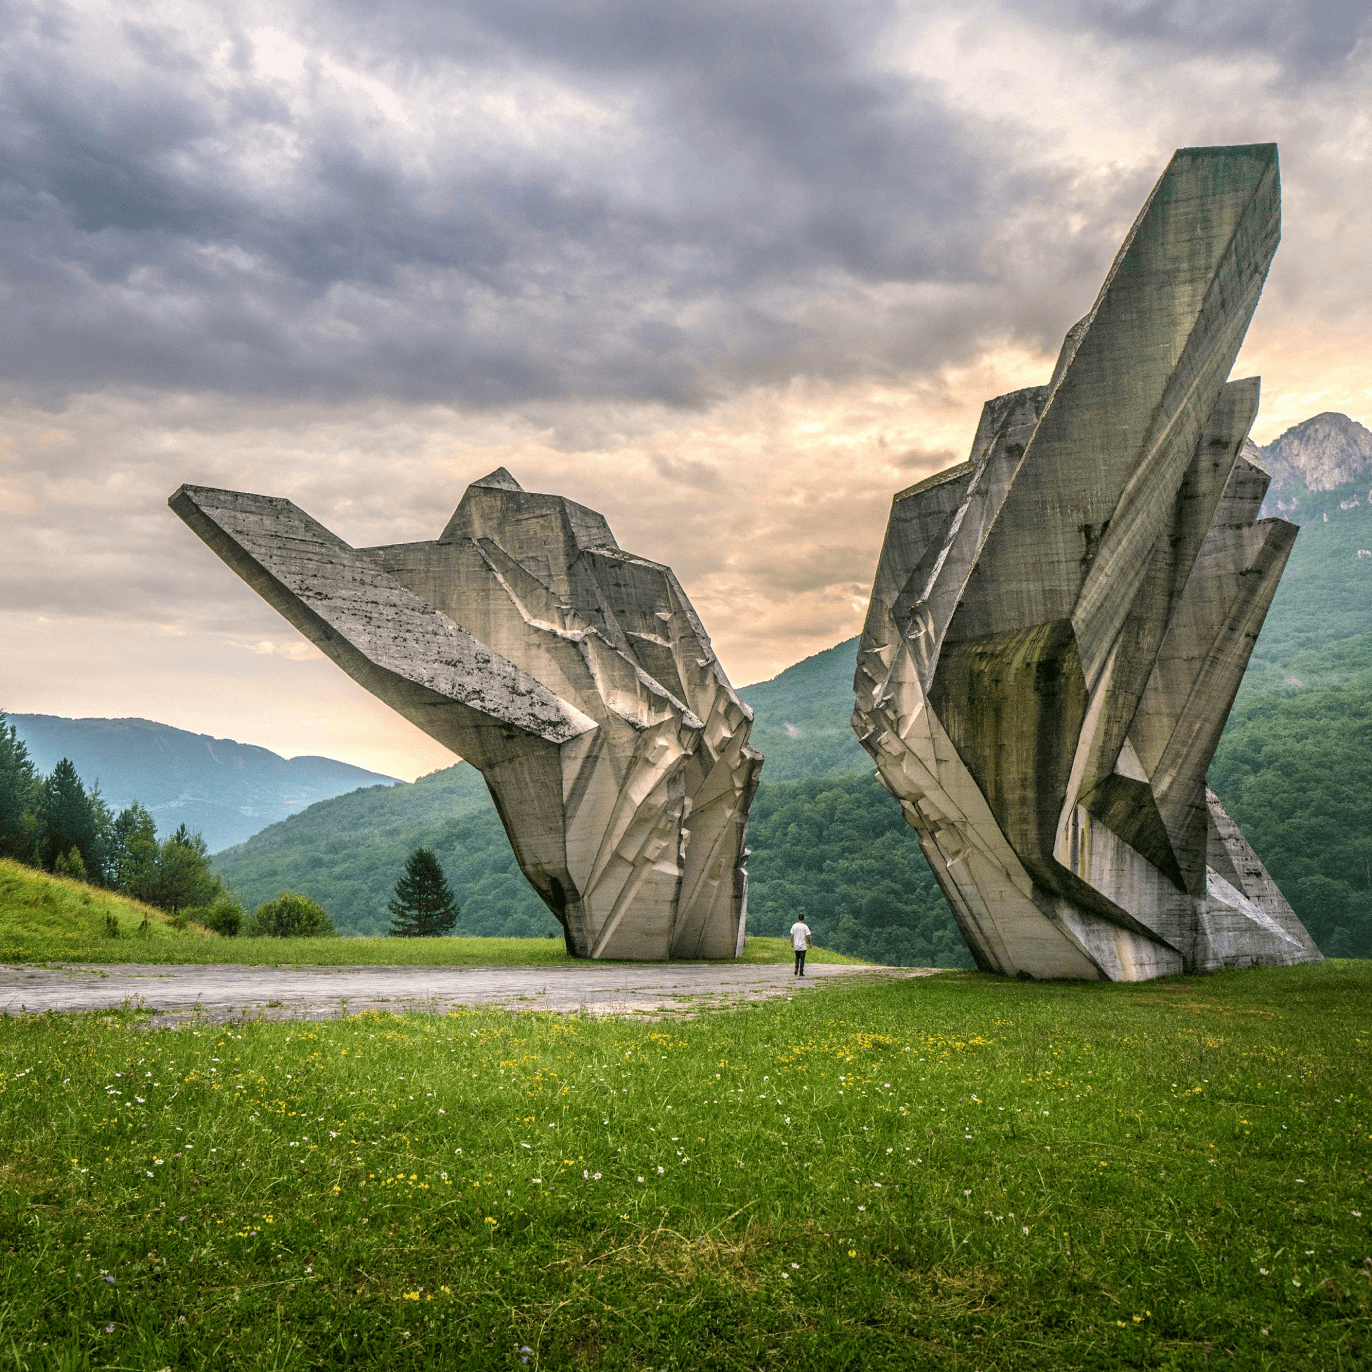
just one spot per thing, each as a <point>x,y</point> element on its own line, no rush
<point>173,993</point>
<point>1058,626</point>
<point>574,675</point>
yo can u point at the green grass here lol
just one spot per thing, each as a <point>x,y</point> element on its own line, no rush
<point>44,918</point>
<point>351,952</point>
<point>950,1172</point>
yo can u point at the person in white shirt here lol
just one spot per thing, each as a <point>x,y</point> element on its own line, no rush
<point>800,942</point>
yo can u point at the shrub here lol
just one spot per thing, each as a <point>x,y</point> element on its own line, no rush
<point>291,916</point>
<point>111,924</point>
<point>224,915</point>
<point>70,865</point>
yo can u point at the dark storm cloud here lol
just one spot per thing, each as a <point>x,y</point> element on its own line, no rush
<point>879,181</point>
<point>1309,38</point>
<point>174,218</point>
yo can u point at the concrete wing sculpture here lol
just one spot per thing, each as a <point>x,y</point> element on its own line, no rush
<point>575,676</point>
<point>1058,626</point>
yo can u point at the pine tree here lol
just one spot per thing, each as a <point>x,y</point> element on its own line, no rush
<point>19,795</point>
<point>184,879</point>
<point>67,819</point>
<point>133,853</point>
<point>70,865</point>
<point>424,905</point>
<point>103,873</point>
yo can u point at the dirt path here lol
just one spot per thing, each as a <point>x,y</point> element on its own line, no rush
<point>172,994</point>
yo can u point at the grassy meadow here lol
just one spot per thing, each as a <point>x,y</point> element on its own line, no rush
<point>954,1172</point>
<point>51,919</point>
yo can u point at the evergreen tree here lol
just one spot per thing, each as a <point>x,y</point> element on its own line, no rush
<point>184,879</point>
<point>67,819</point>
<point>19,794</point>
<point>103,819</point>
<point>424,905</point>
<point>174,875</point>
<point>132,854</point>
<point>70,865</point>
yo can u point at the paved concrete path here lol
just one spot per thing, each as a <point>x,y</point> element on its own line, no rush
<point>172,994</point>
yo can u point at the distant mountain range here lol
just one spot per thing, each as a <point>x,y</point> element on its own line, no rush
<point>225,790</point>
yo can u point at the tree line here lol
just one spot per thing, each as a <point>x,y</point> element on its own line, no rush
<point>57,824</point>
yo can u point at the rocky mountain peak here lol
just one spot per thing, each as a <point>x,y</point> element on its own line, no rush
<point>1323,452</point>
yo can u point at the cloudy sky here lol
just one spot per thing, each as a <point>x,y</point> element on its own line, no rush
<point>730,273</point>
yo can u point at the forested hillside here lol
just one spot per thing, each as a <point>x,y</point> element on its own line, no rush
<point>1325,594</point>
<point>801,718</point>
<point>348,854</point>
<point>1294,768</point>
<point>836,850</point>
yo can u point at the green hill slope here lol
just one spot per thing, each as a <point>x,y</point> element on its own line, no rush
<point>1326,592</point>
<point>347,854</point>
<point>64,919</point>
<point>801,718</point>
<point>839,852</point>
<point>1295,759</point>
<point>1293,769</point>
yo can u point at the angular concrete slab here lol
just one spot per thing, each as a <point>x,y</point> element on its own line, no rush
<point>575,676</point>
<point>1058,626</point>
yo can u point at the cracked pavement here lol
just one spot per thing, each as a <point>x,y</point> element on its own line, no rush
<point>171,994</point>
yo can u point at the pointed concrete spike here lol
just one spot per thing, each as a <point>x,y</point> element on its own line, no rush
<point>499,480</point>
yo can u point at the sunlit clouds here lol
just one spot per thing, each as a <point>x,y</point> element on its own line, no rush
<point>731,275</point>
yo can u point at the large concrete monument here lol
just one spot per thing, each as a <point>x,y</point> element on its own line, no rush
<point>574,675</point>
<point>1059,625</point>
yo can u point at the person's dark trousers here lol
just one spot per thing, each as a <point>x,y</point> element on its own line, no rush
<point>800,962</point>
